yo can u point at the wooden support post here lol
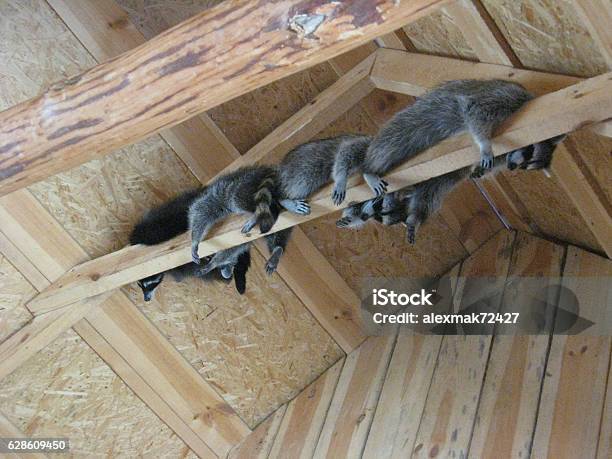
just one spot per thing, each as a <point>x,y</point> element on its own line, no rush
<point>325,294</point>
<point>139,353</point>
<point>210,58</point>
<point>586,102</point>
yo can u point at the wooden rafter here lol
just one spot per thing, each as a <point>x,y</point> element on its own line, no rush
<point>208,59</point>
<point>490,46</point>
<point>584,103</point>
<point>325,294</point>
<point>140,354</point>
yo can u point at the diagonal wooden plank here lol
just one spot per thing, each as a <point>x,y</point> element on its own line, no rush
<point>573,394</point>
<point>604,445</point>
<point>596,15</point>
<point>8,430</point>
<point>490,46</point>
<point>352,407</point>
<point>311,278</point>
<point>507,410</point>
<point>259,443</point>
<point>587,102</point>
<point>214,56</point>
<point>206,419</point>
<point>446,425</point>
<point>404,393</point>
<point>303,421</point>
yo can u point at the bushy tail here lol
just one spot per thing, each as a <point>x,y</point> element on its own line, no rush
<point>266,211</point>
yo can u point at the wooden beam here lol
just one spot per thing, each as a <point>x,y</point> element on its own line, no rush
<point>312,279</point>
<point>414,74</point>
<point>596,15</point>
<point>547,116</point>
<point>8,430</point>
<point>217,55</point>
<point>157,371</point>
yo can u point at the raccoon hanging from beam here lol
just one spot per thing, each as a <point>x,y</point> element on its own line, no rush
<point>474,106</point>
<point>248,190</point>
<point>414,204</point>
<point>168,221</point>
<point>306,169</point>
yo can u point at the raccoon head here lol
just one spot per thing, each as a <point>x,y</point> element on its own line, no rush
<point>535,156</point>
<point>149,284</point>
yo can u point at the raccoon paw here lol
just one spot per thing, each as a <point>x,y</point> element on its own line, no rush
<point>338,195</point>
<point>270,268</point>
<point>410,234</point>
<point>376,184</point>
<point>477,172</point>
<point>535,164</point>
<point>248,226</point>
<point>343,222</point>
<point>486,161</point>
<point>194,256</point>
<point>303,208</point>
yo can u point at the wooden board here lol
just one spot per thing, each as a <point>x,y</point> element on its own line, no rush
<point>352,407</point>
<point>507,410</point>
<point>177,68</point>
<point>446,425</point>
<point>576,375</point>
<point>258,444</point>
<point>303,421</point>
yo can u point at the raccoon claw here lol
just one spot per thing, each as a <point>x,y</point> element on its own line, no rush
<point>303,208</point>
<point>338,196</point>
<point>343,222</point>
<point>248,226</point>
<point>486,162</point>
<point>194,256</point>
<point>381,188</point>
<point>477,172</point>
<point>270,268</point>
<point>410,234</point>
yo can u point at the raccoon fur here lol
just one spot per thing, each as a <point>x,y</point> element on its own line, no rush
<point>474,106</point>
<point>305,170</point>
<point>249,190</point>
<point>168,221</point>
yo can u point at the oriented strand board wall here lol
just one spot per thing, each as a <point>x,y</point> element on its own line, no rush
<point>78,396</point>
<point>99,202</point>
<point>545,35</point>
<point>249,118</point>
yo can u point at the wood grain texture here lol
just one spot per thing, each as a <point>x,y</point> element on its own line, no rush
<point>507,410</point>
<point>585,102</point>
<point>574,390</point>
<point>303,421</point>
<point>446,425</point>
<point>179,74</point>
<point>8,430</point>
<point>259,442</point>
<point>596,15</point>
<point>604,445</point>
<point>32,230</point>
<point>312,278</point>
<point>352,407</point>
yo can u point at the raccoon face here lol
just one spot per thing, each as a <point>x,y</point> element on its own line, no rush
<point>149,284</point>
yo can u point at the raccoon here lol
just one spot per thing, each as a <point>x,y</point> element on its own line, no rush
<point>168,221</point>
<point>475,106</point>
<point>305,170</point>
<point>414,204</point>
<point>251,189</point>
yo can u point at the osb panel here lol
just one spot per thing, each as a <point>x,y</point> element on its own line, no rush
<point>381,251</point>
<point>247,119</point>
<point>547,35</point>
<point>15,291</point>
<point>258,349</point>
<point>66,390</point>
<point>550,208</point>
<point>437,34</point>
<point>99,202</point>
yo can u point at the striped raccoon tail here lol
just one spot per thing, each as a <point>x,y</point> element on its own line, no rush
<point>266,211</point>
